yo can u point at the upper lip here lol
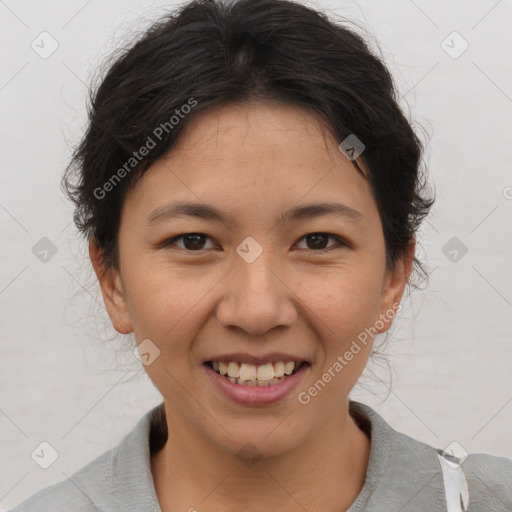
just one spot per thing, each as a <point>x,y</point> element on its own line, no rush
<point>244,357</point>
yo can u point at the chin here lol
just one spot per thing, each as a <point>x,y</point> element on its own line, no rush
<point>270,438</point>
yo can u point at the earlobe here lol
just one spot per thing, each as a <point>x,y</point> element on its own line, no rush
<point>112,290</point>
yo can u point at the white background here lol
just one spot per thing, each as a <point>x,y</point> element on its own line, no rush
<point>451,351</point>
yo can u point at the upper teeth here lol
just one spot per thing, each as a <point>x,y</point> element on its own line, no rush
<point>246,371</point>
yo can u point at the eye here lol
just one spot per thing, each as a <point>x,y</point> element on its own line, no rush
<point>318,240</point>
<point>192,242</point>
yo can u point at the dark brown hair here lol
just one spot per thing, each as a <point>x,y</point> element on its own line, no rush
<point>213,52</point>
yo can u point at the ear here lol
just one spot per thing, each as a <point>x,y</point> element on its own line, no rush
<point>394,285</point>
<point>112,290</point>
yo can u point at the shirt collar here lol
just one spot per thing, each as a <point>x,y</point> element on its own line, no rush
<point>401,471</point>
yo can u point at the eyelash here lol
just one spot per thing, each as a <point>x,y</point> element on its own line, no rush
<point>340,242</point>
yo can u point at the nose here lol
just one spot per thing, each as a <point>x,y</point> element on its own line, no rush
<point>257,297</point>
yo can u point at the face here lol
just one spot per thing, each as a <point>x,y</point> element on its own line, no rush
<point>265,278</point>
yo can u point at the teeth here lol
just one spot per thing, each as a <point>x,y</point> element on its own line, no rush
<point>247,371</point>
<point>278,369</point>
<point>288,367</point>
<point>233,369</point>
<point>265,372</point>
<point>254,375</point>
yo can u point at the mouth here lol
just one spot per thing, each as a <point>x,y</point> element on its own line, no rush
<point>263,375</point>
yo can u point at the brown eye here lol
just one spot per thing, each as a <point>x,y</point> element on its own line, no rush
<point>191,241</point>
<point>195,242</point>
<point>317,241</point>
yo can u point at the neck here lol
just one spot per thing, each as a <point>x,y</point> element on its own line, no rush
<point>190,472</point>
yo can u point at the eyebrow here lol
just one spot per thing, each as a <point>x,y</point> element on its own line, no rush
<point>209,213</point>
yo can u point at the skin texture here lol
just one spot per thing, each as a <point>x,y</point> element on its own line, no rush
<point>254,161</point>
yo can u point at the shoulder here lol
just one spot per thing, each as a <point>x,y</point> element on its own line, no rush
<point>118,479</point>
<point>489,482</point>
<point>74,493</point>
<point>406,472</point>
<point>59,497</point>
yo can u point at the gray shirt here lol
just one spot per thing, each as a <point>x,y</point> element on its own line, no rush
<point>404,475</point>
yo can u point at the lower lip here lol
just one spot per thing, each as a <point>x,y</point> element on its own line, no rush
<point>256,395</point>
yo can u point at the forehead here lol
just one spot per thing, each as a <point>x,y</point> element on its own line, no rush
<point>252,131</point>
<point>254,155</point>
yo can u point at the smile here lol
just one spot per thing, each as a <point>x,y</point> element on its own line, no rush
<point>264,375</point>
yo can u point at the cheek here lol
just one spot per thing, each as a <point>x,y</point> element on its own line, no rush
<point>344,299</point>
<point>345,305</point>
<point>344,313</point>
<point>166,303</point>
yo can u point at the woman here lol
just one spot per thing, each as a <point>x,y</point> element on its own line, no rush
<point>251,192</point>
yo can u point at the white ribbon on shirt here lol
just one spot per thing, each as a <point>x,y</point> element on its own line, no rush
<point>455,484</point>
